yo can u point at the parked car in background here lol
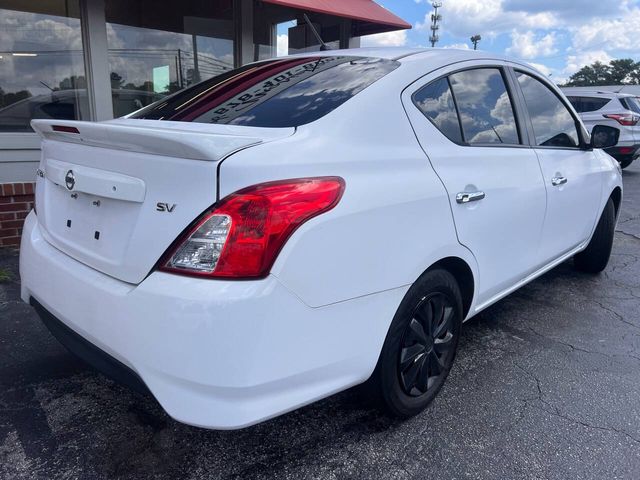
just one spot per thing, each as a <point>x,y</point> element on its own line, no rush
<point>68,105</point>
<point>619,110</point>
<point>301,225</point>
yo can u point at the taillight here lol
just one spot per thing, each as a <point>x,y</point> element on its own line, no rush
<point>626,119</point>
<point>243,234</point>
<point>65,129</point>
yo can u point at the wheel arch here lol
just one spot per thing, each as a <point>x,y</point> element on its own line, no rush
<point>616,196</point>
<point>463,274</point>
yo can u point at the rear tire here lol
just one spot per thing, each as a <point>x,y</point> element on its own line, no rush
<point>420,347</point>
<point>595,257</point>
<point>626,162</point>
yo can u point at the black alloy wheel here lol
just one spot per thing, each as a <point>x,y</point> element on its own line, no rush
<point>420,346</point>
<point>427,344</point>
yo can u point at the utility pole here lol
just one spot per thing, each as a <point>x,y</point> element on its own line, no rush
<point>475,39</point>
<point>180,80</point>
<point>435,19</point>
<point>196,66</point>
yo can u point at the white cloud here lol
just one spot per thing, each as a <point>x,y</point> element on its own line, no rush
<point>44,34</point>
<point>282,45</point>
<point>579,60</point>
<point>615,34</point>
<point>528,45</point>
<point>466,17</point>
<point>492,17</point>
<point>542,68</point>
<point>387,39</point>
<point>571,10</point>
<point>460,46</point>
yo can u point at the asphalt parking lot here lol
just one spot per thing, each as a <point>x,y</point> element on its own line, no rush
<point>546,385</point>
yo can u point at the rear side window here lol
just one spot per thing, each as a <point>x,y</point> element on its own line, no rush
<point>484,105</point>
<point>630,103</point>
<point>436,103</point>
<point>276,93</point>
<point>472,106</point>
<point>553,124</point>
<point>588,104</point>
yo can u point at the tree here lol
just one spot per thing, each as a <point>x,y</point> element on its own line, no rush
<point>71,83</point>
<point>620,71</point>
<point>7,98</point>
<point>623,71</point>
<point>595,74</point>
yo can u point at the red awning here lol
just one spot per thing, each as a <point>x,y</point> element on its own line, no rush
<point>362,10</point>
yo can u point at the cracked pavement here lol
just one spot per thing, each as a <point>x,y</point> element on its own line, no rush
<point>546,385</point>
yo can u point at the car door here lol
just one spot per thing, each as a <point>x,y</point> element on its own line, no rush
<point>571,171</point>
<point>466,123</point>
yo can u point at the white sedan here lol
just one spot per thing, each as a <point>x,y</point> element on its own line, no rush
<point>301,225</point>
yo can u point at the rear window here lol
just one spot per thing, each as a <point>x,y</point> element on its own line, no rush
<point>435,101</point>
<point>630,103</point>
<point>276,93</point>
<point>588,104</point>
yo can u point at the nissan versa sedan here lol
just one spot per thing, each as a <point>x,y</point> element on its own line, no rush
<point>301,225</point>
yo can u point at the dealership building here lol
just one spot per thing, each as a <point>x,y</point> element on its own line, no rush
<point>101,59</point>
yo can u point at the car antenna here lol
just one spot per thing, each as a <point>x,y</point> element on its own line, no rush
<point>47,86</point>
<point>323,46</point>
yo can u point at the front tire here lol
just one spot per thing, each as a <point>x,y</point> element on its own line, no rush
<point>420,347</point>
<point>595,257</point>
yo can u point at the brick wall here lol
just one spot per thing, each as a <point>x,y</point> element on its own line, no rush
<point>16,200</point>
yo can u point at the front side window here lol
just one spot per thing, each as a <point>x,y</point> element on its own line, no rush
<point>436,103</point>
<point>485,107</point>
<point>553,124</point>
<point>276,93</point>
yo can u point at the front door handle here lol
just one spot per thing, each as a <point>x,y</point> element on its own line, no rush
<point>557,181</point>
<point>466,197</point>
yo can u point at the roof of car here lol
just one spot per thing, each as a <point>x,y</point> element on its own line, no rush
<point>594,91</point>
<point>442,56</point>
<point>397,53</point>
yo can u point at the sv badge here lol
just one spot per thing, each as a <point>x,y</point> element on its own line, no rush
<point>165,207</point>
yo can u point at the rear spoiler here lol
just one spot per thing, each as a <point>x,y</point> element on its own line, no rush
<point>154,137</point>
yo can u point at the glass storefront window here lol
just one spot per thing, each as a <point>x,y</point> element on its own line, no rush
<point>154,52</point>
<point>41,63</point>
<point>280,31</point>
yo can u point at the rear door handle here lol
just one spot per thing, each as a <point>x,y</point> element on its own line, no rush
<point>466,197</point>
<point>557,181</point>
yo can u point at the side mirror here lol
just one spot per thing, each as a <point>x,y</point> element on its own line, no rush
<point>603,136</point>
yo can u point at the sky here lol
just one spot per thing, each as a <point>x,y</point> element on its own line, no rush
<point>556,36</point>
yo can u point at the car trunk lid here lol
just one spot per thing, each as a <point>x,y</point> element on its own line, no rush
<point>115,195</point>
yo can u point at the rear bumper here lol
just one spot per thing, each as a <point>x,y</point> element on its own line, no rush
<point>88,352</point>
<point>624,152</point>
<point>215,354</point>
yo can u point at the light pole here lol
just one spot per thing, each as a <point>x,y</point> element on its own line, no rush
<point>435,19</point>
<point>475,39</point>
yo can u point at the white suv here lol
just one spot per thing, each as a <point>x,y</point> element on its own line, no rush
<point>619,110</point>
<point>301,225</point>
